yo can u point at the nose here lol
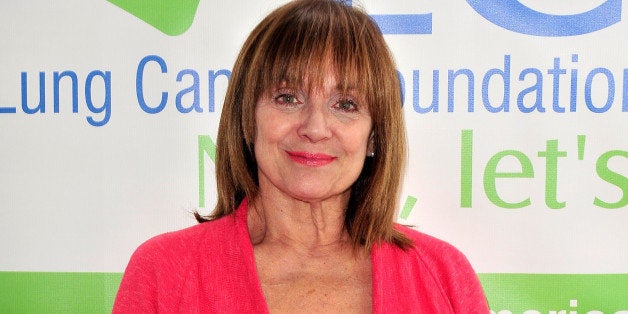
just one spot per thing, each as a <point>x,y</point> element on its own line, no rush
<point>314,124</point>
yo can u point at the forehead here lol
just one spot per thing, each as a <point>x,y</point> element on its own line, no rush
<point>324,77</point>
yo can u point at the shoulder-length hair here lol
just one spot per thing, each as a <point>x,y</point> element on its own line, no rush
<point>290,45</point>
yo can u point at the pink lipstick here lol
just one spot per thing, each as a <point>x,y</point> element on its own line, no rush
<point>311,159</point>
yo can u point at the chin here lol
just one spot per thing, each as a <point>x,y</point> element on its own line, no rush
<point>309,196</point>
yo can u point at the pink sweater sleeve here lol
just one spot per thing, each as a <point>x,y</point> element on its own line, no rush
<point>431,277</point>
<point>461,284</point>
<point>153,278</point>
<point>138,289</point>
<point>206,268</point>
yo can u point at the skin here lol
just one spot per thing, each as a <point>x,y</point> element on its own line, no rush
<point>310,148</point>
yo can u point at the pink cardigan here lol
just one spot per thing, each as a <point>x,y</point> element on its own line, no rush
<point>210,268</point>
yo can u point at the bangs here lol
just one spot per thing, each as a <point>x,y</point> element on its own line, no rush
<point>311,40</point>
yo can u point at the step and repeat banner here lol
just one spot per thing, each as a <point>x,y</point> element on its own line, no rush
<point>516,111</point>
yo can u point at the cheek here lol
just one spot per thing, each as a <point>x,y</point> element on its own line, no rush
<point>270,128</point>
<point>357,140</point>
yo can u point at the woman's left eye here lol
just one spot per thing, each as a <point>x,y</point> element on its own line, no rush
<point>347,105</point>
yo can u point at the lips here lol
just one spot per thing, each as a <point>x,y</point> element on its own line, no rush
<point>311,159</point>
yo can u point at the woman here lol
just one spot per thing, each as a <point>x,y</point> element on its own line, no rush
<point>311,146</point>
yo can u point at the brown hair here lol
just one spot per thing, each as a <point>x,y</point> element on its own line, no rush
<point>284,47</point>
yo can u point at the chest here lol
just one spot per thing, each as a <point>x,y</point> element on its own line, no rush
<point>318,294</point>
<point>315,286</point>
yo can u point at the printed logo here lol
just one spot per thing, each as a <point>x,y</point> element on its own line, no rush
<point>398,24</point>
<point>174,18</point>
<point>170,17</point>
<point>516,17</point>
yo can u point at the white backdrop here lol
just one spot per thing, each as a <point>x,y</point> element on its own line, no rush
<point>537,120</point>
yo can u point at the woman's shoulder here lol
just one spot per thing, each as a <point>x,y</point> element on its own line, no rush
<point>436,254</point>
<point>427,245</point>
<point>162,265</point>
<point>185,242</point>
<point>434,260</point>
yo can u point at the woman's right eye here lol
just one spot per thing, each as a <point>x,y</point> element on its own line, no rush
<point>286,99</point>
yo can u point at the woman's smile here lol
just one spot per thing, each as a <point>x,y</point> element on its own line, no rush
<point>311,159</point>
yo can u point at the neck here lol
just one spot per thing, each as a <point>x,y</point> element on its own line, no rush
<point>315,227</point>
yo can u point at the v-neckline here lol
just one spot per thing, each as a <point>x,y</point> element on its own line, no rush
<point>241,216</point>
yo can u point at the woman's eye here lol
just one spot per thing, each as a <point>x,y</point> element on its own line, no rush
<point>346,105</point>
<point>286,99</point>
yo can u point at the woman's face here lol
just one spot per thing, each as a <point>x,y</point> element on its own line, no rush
<point>311,145</point>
